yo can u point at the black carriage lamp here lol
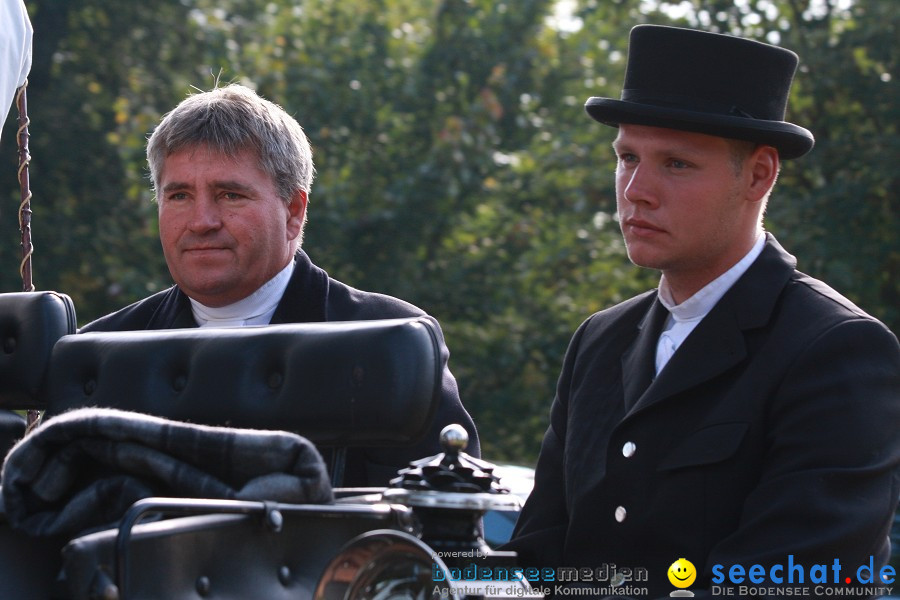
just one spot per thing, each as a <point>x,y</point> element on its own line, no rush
<point>448,494</point>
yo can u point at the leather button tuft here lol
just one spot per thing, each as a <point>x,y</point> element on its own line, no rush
<point>203,585</point>
<point>179,383</point>
<point>275,380</point>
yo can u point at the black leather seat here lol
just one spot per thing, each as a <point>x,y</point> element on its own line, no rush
<point>30,325</point>
<point>363,383</point>
<point>12,428</point>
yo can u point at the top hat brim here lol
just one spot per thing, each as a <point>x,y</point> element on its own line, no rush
<point>791,141</point>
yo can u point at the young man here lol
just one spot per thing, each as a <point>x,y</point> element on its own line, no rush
<point>232,172</point>
<point>744,416</point>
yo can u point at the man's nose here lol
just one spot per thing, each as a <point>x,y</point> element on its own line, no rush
<point>641,186</point>
<point>205,214</point>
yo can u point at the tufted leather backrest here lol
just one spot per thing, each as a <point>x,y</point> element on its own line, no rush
<point>360,383</point>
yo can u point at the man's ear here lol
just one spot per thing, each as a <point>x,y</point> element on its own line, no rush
<point>763,166</point>
<point>296,214</point>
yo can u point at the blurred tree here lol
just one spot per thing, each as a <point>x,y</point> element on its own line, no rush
<point>100,70</point>
<point>456,166</point>
<point>841,213</point>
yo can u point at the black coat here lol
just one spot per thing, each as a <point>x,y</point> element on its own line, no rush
<point>774,430</point>
<point>313,296</point>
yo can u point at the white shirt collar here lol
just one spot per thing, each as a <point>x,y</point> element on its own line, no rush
<point>685,316</point>
<point>255,309</point>
<point>698,306</point>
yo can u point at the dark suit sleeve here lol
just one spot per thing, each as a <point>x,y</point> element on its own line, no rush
<point>830,476</point>
<point>540,532</point>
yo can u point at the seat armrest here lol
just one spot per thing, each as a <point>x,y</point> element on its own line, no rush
<point>30,325</point>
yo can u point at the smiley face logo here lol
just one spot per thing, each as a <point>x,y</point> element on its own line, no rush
<point>682,573</point>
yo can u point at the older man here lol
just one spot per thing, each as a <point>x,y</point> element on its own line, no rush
<point>232,173</point>
<point>744,416</point>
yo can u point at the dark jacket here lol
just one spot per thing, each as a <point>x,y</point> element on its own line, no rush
<point>313,296</point>
<point>773,432</point>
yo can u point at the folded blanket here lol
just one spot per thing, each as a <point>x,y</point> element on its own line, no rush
<point>82,470</point>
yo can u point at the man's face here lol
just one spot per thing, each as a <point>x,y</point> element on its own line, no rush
<point>224,230</point>
<point>683,207</point>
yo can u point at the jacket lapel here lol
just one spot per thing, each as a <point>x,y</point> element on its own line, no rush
<point>174,312</point>
<point>639,360</point>
<point>714,346</point>
<point>305,297</point>
<point>718,342</point>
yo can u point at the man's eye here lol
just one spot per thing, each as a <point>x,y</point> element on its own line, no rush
<point>176,196</point>
<point>232,196</point>
<point>678,164</point>
<point>627,158</point>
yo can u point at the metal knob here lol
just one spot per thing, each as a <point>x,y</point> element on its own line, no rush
<point>454,438</point>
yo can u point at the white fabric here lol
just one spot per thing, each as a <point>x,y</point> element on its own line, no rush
<point>685,316</point>
<point>255,309</point>
<point>15,51</point>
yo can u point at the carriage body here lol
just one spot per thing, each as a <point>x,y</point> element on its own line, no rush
<point>338,385</point>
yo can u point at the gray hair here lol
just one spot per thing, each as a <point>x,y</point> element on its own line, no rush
<point>232,119</point>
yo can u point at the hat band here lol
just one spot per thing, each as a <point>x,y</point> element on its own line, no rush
<point>684,103</point>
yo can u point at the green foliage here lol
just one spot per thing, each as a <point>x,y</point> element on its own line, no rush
<point>456,166</point>
<point>839,209</point>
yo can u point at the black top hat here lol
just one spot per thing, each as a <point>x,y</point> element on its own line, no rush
<point>708,83</point>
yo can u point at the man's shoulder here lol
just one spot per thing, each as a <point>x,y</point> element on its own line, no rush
<point>313,294</point>
<point>614,327</point>
<point>347,303</point>
<point>808,290</point>
<point>773,284</point>
<point>809,307</point>
<point>135,316</point>
<point>629,312</point>
<point>775,299</point>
